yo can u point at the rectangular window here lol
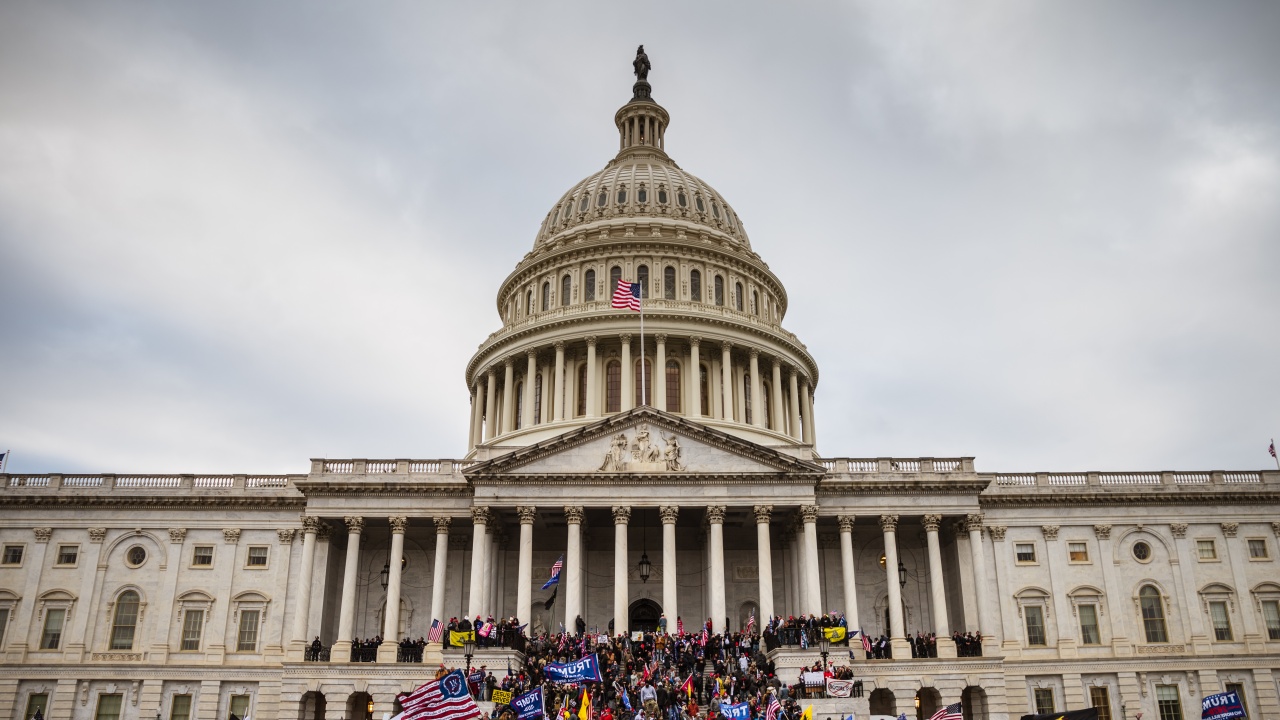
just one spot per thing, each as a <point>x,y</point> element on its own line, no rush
<point>192,626</point>
<point>1089,634</point>
<point>239,705</point>
<point>108,707</point>
<point>1078,552</point>
<point>247,640</point>
<point>12,555</point>
<point>1035,626</point>
<point>1258,549</point>
<point>1044,700</point>
<point>37,702</point>
<point>1238,689</point>
<point>1168,703</point>
<point>68,554</point>
<point>1206,550</point>
<point>1271,614</point>
<point>4,624</point>
<point>257,556</point>
<point>202,556</point>
<point>1100,698</point>
<point>51,638</point>
<point>180,707</point>
<point>1221,621</point>
<point>1026,552</point>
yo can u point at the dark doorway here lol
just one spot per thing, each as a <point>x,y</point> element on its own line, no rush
<point>643,615</point>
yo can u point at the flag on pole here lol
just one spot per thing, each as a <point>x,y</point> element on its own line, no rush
<point>687,686</point>
<point>751,620</point>
<point>679,626</point>
<point>555,574</point>
<point>950,712</point>
<point>1271,449</point>
<point>626,296</point>
<point>584,710</point>
<point>808,714</point>
<point>774,709</point>
<point>704,637</point>
<point>866,643</point>
<point>436,631</point>
<point>443,699</point>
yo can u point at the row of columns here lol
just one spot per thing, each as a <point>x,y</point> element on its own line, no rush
<point>492,415</point>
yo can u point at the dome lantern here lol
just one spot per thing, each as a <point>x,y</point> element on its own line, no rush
<point>642,123</point>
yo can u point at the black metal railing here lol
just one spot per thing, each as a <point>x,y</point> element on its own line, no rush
<point>316,653</point>
<point>409,654</point>
<point>364,654</point>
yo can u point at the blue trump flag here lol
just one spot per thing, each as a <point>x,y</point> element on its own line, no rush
<point>529,705</point>
<point>735,711</point>
<point>585,670</point>
<point>1223,706</point>
<point>555,574</point>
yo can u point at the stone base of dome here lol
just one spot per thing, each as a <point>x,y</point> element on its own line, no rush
<point>641,91</point>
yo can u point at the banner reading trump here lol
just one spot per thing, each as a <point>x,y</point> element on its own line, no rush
<point>585,670</point>
<point>1223,706</point>
<point>735,711</point>
<point>529,705</point>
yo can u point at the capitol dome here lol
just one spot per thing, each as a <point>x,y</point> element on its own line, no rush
<point>713,348</point>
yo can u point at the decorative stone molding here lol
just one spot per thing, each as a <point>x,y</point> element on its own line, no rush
<point>573,514</point>
<point>355,524</point>
<point>1179,530</point>
<point>231,536</point>
<point>660,338</point>
<point>715,514</point>
<point>97,535</point>
<point>177,535</point>
<point>1050,531</point>
<point>889,523</point>
<point>694,341</point>
<point>399,523</point>
<point>846,522</point>
<point>754,354</point>
<point>286,535</point>
<point>324,531</point>
<point>621,515</point>
<point>1275,528</point>
<point>1103,532</point>
<point>114,657</point>
<point>973,522</point>
<point>42,534</point>
<point>670,513</point>
<point>591,340</point>
<point>763,513</point>
<point>931,522</point>
<point>480,516</point>
<point>527,514</point>
<point>997,532</point>
<point>310,523</point>
<point>442,524</point>
<point>808,514</point>
<point>1229,529</point>
<point>1161,650</point>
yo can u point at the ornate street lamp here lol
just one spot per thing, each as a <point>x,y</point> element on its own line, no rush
<point>469,650</point>
<point>645,566</point>
<point>824,646</point>
<point>902,574</point>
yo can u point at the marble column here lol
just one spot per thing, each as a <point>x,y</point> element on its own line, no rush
<point>794,386</point>
<point>787,536</point>
<point>813,587</point>
<point>1187,560</point>
<point>508,395</point>
<point>897,633</point>
<point>715,517</point>
<point>524,581</point>
<point>593,401</point>
<point>347,605</point>
<point>558,395</point>
<point>937,588</point>
<point>479,547</point>
<point>847,570</point>
<point>775,405</point>
<point>473,428</point>
<point>490,400</point>
<point>764,562</point>
<point>391,617</point>
<point>669,515</point>
<point>628,375</point>
<point>726,383</point>
<point>757,392</point>
<point>1237,551</point>
<point>438,572</point>
<point>806,394</point>
<point>658,383</point>
<point>695,379</point>
<point>621,589</point>
<point>573,566</point>
<point>302,611</point>
<point>530,380</point>
<point>981,583</point>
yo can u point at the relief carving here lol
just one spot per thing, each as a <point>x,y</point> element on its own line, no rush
<point>642,454</point>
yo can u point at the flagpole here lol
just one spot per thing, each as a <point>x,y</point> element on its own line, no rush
<point>644,393</point>
<point>1273,440</point>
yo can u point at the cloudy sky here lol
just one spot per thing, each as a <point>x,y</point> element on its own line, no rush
<point>238,235</point>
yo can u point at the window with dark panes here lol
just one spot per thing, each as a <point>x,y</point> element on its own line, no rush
<point>669,283</point>
<point>673,386</point>
<point>613,386</point>
<point>695,286</point>
<point>589,286</point>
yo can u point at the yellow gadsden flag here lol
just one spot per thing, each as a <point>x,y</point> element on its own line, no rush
<point>584,710</point>
<point>807,714</point>
<point>457,638</point>
<point>835,634</point>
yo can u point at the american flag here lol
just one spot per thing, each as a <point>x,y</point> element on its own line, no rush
<point>626,296</point>
<point>950,712</point>
<point>774,709</point>
<point>751,621</point>
<point>555,574</point>
<point>436,631</point>
<point>679,626</point>
<point>1272,449</point>
<point>443,699</point>
<point>704,637</point>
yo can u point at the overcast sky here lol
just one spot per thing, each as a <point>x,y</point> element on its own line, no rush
<point>238,235</point>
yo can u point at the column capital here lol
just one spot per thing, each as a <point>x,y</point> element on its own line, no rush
<point>1050,531</point>
<point>1179,530</point>
<point>997,532</point>
<point>310,523</point>
<point>42,534</point>
<point>1103,532</point>
<point>973,521</point>
<point>625,338</point>
<point>480,516</point>
<point>532,355</point>
<point>509,361</point>
<point>726,346</point>
<point>355,525</point>
<point>177,535</point>
<point>573,514</point>
<point>1229,529</point>
<point>286,535</point>
<point>695,340</point>
<point>889,523</point>
<point>932,522</point>
<point>809,514</point>
<point>763,514</point>
<point>846,522</point>
<point>670,513</point>
<point>591,341</point>
<point>493,376</point>
<point>660,338</point>
<point>398,524</point>
<point>442,524</point>
<point>754,353</point>
<point>559,345</point>
<point>324,531</point>
<point>527,513</point>
<point>715,514</point>
<point>621,514</point>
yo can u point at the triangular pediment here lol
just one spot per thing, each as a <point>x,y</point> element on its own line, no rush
<point>644,442</point>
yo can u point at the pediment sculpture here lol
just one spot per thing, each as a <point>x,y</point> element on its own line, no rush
<point>642,454</point>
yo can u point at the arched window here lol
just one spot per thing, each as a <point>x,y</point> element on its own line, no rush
<point>582,206</point>
<point>546,296</point>
<point>697,201</point>
<point>642,195</point>
<point>589,286</point>
<point>695,286</point>
<point>602,198</point>
<point>673,386</point>
<point>681,199</point>
<point>613,386</point>
<point>737,296</point>
<point>643,393</point>
<point>124,621</point>
<point>746,397</point>
<point>566,290</point>
<point>519,403</point>
<point>719,297</point>
<point>669,283</point>
<point>537,399</point>
<point>642,277</point>
<point>1153,615</point>
<point>622,194</point>
<point>766,402</point>
<point>755,302</point>
<point>615,274</point>
<point>582,390</point>
<point>528,303</point>
<point>704,391</point>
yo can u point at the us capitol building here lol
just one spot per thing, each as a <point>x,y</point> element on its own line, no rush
<point>127,597</point>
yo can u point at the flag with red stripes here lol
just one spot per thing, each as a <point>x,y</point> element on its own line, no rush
<point>443,699</point>
<point>950,712</point>
<point>751,621</point>
<point>679,626</point>
<point>436,631</point>
<point>774,709</point>
<point>626,296</point>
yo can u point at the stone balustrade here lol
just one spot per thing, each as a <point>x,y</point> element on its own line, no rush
<point>884,465</point>
<point>1013,481</point>
<point>147,482</point>
<point>360,466</point>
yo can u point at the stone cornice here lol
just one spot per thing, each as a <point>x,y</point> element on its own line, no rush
<point>1147,496</point>
<point>399,487</point>
<point>898,485</point>
<point>113,500</point>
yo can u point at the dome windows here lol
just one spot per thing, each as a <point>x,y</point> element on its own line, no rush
<point>697,201</point>
<point>582,206</point>
<point>695,285</point>
<point>662,196</point>
<point>615,274</point>
<point>602,198</point>
<point>613,386</point>
<point>715,209</point>
<point>681,199</point>
<point>719,291</point>
<point>642,195</point>
<point>566,290</point>
<point>546,296</point>
<point>669,283</point>
<point>673,386</point>
<point>642,277</point>
<point>589,286</point>
<point>737,296</point>
<point>622,194</point>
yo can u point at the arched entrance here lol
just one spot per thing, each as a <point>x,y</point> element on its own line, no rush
<point>927,701</point>
<point>882,702</point>
<point>358,706</point>
<point>312,706</point>
<point>643,615</point>
<point>974,703</point>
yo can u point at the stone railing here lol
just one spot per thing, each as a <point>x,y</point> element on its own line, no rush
<point>388,467</point>
<point>147,482</point>
<point>1112,479</point>
<point>854,466</point>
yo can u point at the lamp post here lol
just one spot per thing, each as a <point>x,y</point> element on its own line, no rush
<point>645,567</point>
<point>824,646</point>
<point>902,574</point>
<point>469,650</point>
